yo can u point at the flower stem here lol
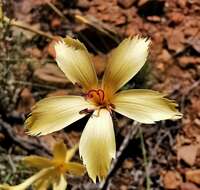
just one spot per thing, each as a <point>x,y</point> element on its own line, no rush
<point>148,179</point>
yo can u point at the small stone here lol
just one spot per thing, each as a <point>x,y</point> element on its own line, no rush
<point>188,154</point>
<point>125,3</point>
<point>154,18</point>
<point>172,180</point>
<point>128,164</point>
<point>193,176</point>
<point>55,23</point>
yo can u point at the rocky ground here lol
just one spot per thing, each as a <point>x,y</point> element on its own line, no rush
<point>161,156</point>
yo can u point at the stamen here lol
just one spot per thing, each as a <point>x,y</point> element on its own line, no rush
<point>98,94</point>
<point>90,95</point>
<point>101,95</point>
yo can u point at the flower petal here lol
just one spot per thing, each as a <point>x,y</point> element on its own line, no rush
<point>97,144</point>
<point>54,113</point>
<point>42,184</point>
<point>74,168</point>
<point>60,151</point>
<point>125,61</point>
<point>37,162</point>
<point>61,184</point>
<point>145,106</point>
<point>24,185</point>
<point>74,60</point>
<point>71,152</point>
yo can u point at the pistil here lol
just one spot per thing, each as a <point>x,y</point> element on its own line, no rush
<point>97,96</point>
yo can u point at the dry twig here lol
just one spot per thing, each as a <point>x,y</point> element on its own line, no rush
<point>27,27</point>
<point>146,164</point>
<point>28,145</point>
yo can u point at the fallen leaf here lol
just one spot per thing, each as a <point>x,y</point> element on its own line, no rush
<point>51,74</point>
<point>26,101</point>
<point>193,176</point>
<point>172,180</point>
<point>187,153</point>
<point>188,186</point>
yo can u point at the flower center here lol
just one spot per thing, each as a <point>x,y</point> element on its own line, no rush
<point>99,99</point>
<point>60,167</point>
<point>97,96</point>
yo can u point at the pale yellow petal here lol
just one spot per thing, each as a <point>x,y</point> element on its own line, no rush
<point>28,182</point>
<point>42,184</point>
<point>8,187</point>
<point>97,144</point>
<point>74,168</point>
<point>60,151</point>
<point>145,106</point>
<point>61,184</point>
<point>45,181</point>
<point>37,162</point>
<point>54,113</point>
<point>74,60</point>
<point>71,152</point>
<point>125,61</point>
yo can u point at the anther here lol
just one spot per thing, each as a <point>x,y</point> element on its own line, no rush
<point>90,94</point>
<point>101,95</point>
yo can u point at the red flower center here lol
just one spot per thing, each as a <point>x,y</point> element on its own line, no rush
<point>97,96</point>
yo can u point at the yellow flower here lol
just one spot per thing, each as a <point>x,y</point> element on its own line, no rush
<point>52,171</point>
<point>97,144</point>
